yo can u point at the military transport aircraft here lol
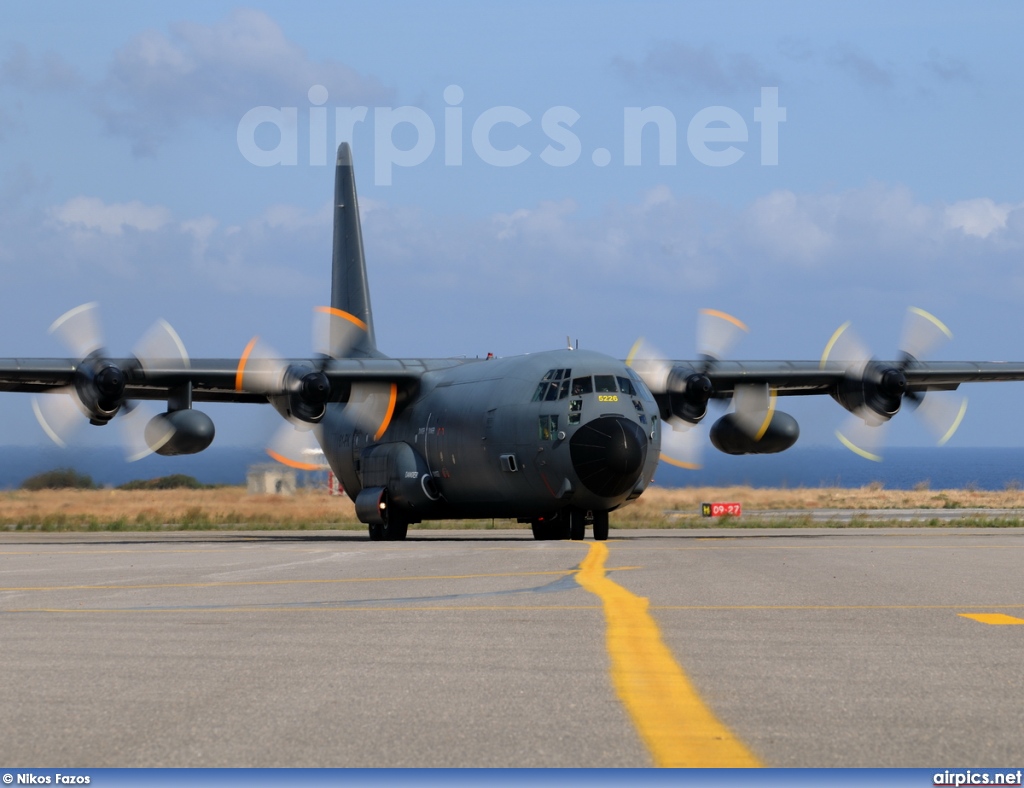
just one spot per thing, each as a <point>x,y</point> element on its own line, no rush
<point>558,439</point>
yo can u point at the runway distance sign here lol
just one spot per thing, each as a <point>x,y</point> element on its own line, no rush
<point>721,509</point>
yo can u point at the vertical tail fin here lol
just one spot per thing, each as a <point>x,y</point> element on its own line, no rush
<point>350,292</point>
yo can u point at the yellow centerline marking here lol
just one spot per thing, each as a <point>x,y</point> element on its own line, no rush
<point>993,618</point>
<point>676,726</point>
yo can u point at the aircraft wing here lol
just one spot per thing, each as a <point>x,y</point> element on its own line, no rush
<point>214,380</point>
<point>812,377</point>
<point>299,389</point>
<point>873,390</point>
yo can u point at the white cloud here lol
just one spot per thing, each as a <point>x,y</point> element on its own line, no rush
<point>111,218</point>
<point>49,71</point>
<point>979,217</point>
<point>216,73</point>
<point>788,228</point>
<point>544,267</point>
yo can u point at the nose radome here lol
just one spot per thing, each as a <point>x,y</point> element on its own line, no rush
<point>608,454</point>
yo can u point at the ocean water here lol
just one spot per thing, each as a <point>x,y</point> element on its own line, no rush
<point>903,469</point>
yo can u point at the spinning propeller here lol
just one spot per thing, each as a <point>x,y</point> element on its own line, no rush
<point>687,389</point>
<point>300,390</point>
<point>873,391</point>
<point>97,392</point>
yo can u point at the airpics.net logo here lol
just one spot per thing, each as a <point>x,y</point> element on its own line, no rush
<point>716,136</point>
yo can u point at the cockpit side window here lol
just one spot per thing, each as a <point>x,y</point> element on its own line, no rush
<point>548,428</point>
<point>626,386</point>
<point>553,386</point>
<point>639,385</point>
<point>542,390</point>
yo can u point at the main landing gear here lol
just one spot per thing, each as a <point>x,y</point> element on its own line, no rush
<point>571,523</point>
<point>393,529</point>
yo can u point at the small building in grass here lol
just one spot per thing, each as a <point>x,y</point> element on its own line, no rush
<point>270,478</point>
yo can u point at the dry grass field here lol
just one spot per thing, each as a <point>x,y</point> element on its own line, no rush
<point>232,507</point>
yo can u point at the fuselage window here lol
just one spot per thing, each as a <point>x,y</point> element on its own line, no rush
<point>605,384</point>
<point>548,428</point>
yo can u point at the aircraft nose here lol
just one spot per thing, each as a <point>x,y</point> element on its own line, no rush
<point>608,455</point>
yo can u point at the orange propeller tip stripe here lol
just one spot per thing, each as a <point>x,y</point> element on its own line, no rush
<point>727,317</point>
<point>330,310</point>
<point>242,362</point>
<point>302,466</point>
<point>689,466</point>
<point>392,400</point>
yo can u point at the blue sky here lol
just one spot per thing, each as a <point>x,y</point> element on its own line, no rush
<point>898,182</point>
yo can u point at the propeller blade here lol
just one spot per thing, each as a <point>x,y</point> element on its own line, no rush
<point>59,413</point>
<point>161,347</point>
<point>336,332</point>
<point>922,333</point>
<point>845,347</point>
<point>942,413</point>
<point>718,332</point>
<point>140,442</point>
<point>650,365</point>
<point>370,407</point>
<point>863,434</point>
<point>260,369</point>
<point>755,406</point>
<point>682,445</point>
<point>79,330</point>
<point>297,448</point>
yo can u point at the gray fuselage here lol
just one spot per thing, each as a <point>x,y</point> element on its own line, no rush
<point>518,437</point>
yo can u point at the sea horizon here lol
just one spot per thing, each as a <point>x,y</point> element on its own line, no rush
<point>902,468</point>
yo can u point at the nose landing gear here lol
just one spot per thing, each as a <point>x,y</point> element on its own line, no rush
<point>571,523</point>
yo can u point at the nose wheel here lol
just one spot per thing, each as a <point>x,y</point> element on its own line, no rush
<point>571,524</point>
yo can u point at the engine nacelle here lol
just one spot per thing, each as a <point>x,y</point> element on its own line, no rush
<point>100,387</point>
<point>306,394</point>
<point>730,435</point>
<point>687,394</point>
<point>879,389</point>
<point>179,432</point>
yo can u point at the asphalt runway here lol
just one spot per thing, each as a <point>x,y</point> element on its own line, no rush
<point>813,647</point>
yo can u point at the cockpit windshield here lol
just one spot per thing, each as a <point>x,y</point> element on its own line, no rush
<point>554,386</point>
<point>558,384</point>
